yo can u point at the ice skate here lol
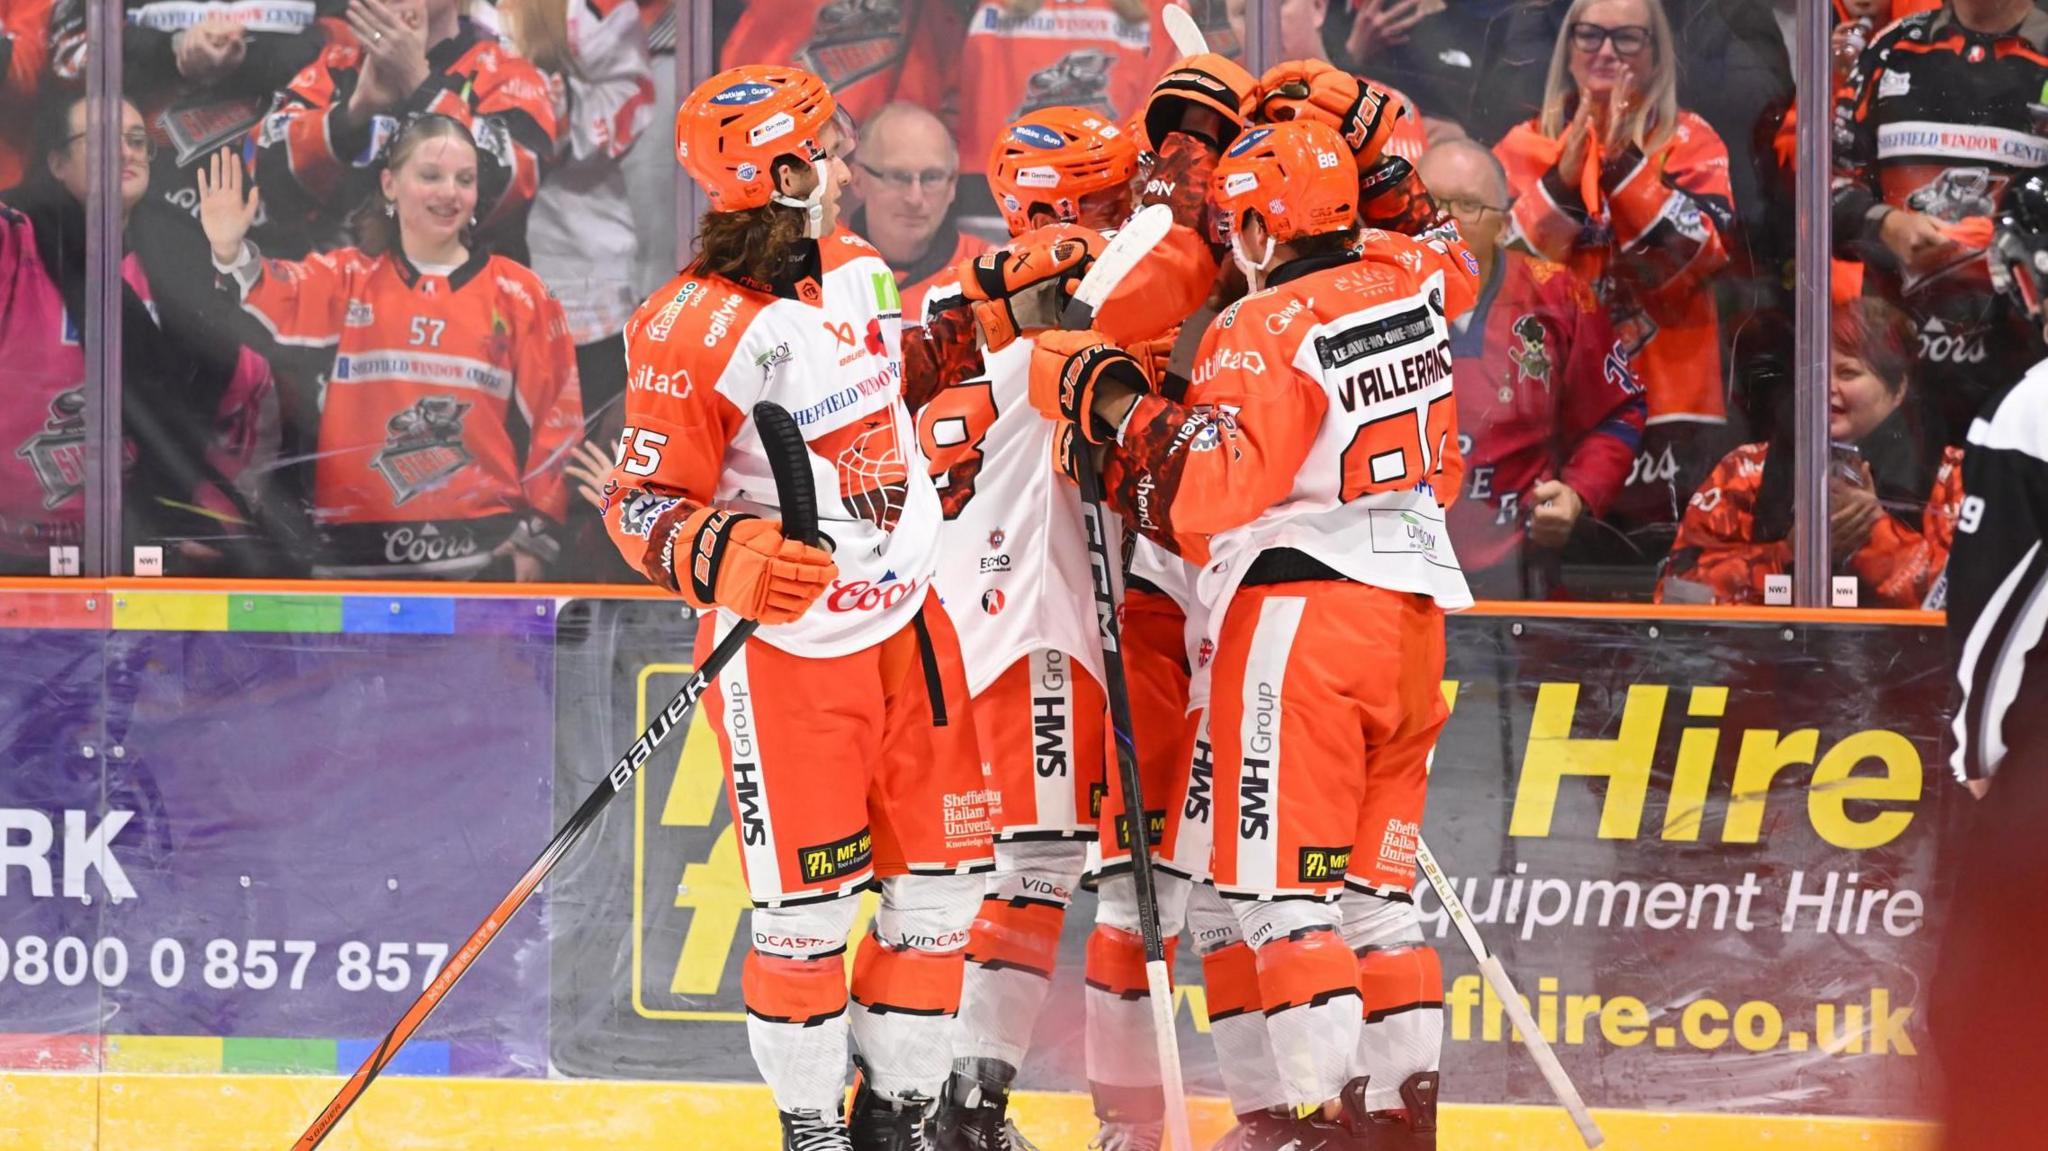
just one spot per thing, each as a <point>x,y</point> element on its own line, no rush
<point>1127,1137</point>
<point>1410,1129</point>
<point>881,1123</point>
<point>973,1115</point>
<point>813,1131</point>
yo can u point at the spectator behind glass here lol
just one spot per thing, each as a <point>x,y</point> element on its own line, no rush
<point>1549,416</point>
<point>581,230</point>
<point>868,52</point>
<point>1301,38</point>
<point>1474,67</point>
<point>906,171</point>
<point>24,54</point>
<point>1024,55</point>
<point>1941,110</point>
<point>450,399</point>
<point>1615,182</point>
<point>211,67</point>
<point>200,412</point>
<point>317,151</point>
<point>1893,490</point>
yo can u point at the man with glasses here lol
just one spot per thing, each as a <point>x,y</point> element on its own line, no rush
<point>906,171</point>
<point>1549,415</point>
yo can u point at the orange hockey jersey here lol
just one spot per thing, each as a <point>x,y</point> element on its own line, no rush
<point>1650,242</point>
<point>311,161</point>
<point>868,52</point>
<point>1320,418</point>
<point>1078,53</point>
<point>1717,545</point>
<point>446,418</point>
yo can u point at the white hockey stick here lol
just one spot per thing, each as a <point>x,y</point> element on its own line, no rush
<point>1132,243</point>
<point>1518,1012</point>
<point>1183,31</point>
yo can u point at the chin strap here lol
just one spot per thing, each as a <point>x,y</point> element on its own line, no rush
<point>813,205</point>
<point>1254,270</point>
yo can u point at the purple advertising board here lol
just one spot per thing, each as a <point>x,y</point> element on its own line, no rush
<point>274,839</point>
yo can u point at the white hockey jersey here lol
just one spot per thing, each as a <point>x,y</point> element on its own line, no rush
<point>1013,566</point>
<point>702,351</point>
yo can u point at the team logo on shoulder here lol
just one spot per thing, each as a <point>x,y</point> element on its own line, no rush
<point>57,453</point>
<point>1079,78</point>
<point>1531,352</point>
<point>854,39</point>
<point>422,447</point>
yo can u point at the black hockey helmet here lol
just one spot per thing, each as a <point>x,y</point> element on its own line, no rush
<point>2019,243</point>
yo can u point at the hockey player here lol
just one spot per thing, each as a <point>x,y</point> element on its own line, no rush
<point>1014,560</point>
<point>845,724</point>
<point>1308,465</point>
<point>450,396</point>
<point>1057,174</point>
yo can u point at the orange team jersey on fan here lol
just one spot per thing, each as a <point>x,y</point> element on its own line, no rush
<point>451,397</point>
<point>311,159</point>
<point>1078,53</point>
<point>1014,563</point>
<point>702,351</point>
<point>1652,245</point>
<point>1718,549</point>
<point>868,52</point>
<point>1320,418</point>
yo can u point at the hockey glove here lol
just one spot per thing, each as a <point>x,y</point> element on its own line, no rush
<point>744,564</point>
<point>1363,113</point>
<point>1066,370</point>
<point>1208,96</point>
<point>1064,444</point>
<point>1022,288</point>
<point>1180,180</point>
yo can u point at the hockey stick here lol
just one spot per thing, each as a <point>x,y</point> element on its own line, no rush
<point>1183,31</point>
<point>1132,243</point>
<point>1504,989</point>
<point>788,459</point>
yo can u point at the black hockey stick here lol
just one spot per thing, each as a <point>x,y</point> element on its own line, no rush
<point>789,460</point>
<point>1131,244</point>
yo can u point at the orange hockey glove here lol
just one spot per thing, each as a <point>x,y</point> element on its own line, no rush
<point>1362,113</point>
<point>1180,180</point>
<point>1066,370</point>
<point>1022,288</point>
<point>745,564</point>
<point>1208,96</point>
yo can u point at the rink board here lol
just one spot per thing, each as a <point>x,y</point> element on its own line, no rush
<point>264,1113</point>
<point>1714,853</point>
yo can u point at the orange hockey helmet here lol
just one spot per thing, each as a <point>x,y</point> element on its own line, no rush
<point>1297,175</point>
<point>1363,113</point>
<point>1054,157</point>
<point>730,129</point>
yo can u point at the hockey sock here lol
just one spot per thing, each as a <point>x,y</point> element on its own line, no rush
<point>1308,980</point>
<point>1237,1015</point>
<point>1013,947</point>
<point>906,982</point>
<point>1123,1055</point>
<point>794,986</point>
<point>1401,988</point>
